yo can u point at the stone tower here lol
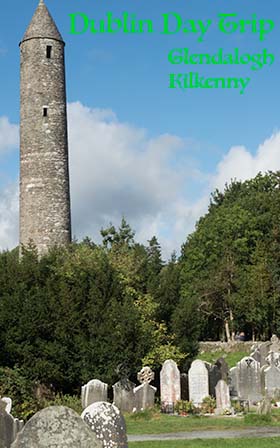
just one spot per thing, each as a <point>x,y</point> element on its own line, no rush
<point>44,173</point>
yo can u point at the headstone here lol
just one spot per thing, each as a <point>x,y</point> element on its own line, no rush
<point>184,387</point>
<point>170,385</point>
<point>124,397</point>
<point>108,424</point>
<point>223,367</point>
<point>93,391</point>
<point>249,379</point>
<point>275,344</point>
<point>232,380</point>
<point>8,402</point>
<point>222,397</point>
<point>215,376</point>
<point>256,354</point>
<point>263,369</point>
<point>9,426</point>
<point>56,427</point>
<point>272,381</point>
<point>264,349</point>
<point>273,358</point>
<point>145,394</point>
<point>198,382</point>
<point>264,407</point>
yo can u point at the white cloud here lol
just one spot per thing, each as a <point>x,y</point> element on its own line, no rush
<point>117,169</point>
<point>9,217</point>
<point>239,163</point>
<point>9,135</point>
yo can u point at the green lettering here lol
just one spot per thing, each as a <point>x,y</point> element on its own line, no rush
<point>73,17</point>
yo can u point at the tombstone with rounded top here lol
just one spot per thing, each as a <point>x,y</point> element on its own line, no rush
<point>170,383</point>
<point>272,381</point>
<point>198,381</point>
<point>56,427</point>
<point>93,391</point>
<point>107,422</point>
<point>249,379</point>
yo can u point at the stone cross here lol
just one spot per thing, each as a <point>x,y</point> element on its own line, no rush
<point>145,393</point>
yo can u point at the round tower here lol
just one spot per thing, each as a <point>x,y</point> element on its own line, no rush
<point>44,173</point>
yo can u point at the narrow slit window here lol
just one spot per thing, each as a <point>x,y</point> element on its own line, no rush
<point>49,51</point>
<point>45,111</point>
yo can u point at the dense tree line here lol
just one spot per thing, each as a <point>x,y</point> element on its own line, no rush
<point>230,267</point>
<point>78,312</point>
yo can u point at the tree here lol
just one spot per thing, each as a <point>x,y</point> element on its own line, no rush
<point>228,264</point>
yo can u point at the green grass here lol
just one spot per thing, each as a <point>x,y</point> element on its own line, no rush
<point>217,443</point>
<point>231,358</point>
<point>150,422</point>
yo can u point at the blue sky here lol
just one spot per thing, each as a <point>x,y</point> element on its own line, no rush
<point>191,141</point>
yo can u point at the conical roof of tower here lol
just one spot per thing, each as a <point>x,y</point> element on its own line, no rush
<point>42,25</point>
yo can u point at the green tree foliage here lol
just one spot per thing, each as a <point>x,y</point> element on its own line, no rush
<point>67,318</point>
<point>230,264</point>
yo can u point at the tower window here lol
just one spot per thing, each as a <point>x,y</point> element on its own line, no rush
<point>49,51</point>
<point>45,111</point>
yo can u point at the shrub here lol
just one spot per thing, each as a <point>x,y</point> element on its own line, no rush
<point>208,405</point>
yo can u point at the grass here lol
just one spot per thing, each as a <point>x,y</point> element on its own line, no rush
<point>151,422</point>
<point>217,443</point>
<point>231,358</point>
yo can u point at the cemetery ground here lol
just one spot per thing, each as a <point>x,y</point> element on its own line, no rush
<point>216,443</point>
<point>152,422</point>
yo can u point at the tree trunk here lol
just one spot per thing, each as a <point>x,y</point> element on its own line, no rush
<point>227,330</point>
<point>231,325</point>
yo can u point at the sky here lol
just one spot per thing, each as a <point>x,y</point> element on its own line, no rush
<point>136,147</point>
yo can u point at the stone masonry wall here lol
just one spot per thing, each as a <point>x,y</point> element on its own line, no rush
<point>44,175</point>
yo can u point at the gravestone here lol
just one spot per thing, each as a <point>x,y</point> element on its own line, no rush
<point>184,386</point>
<point>223,367</point>
<point>144,396</point>
<point>222,397</point>
<point>215,376</point>
<point>93,391</point>
<point>263,368</point>
<point>273,358</point>
<point>249,379</point>
<point>9,426</point>
<point>108,424</point>
<point>198,382</point>
<point>8,402</point>
<point>145,393</point>
<point>56,427</point>
<point>170,385</point>
<point>264,349</point>
<point>232,381</point>
<point>256,354</point>
<point>275,344</point>
<point>124,397</point>
<point>264,407</point>
<point>272,381</point>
